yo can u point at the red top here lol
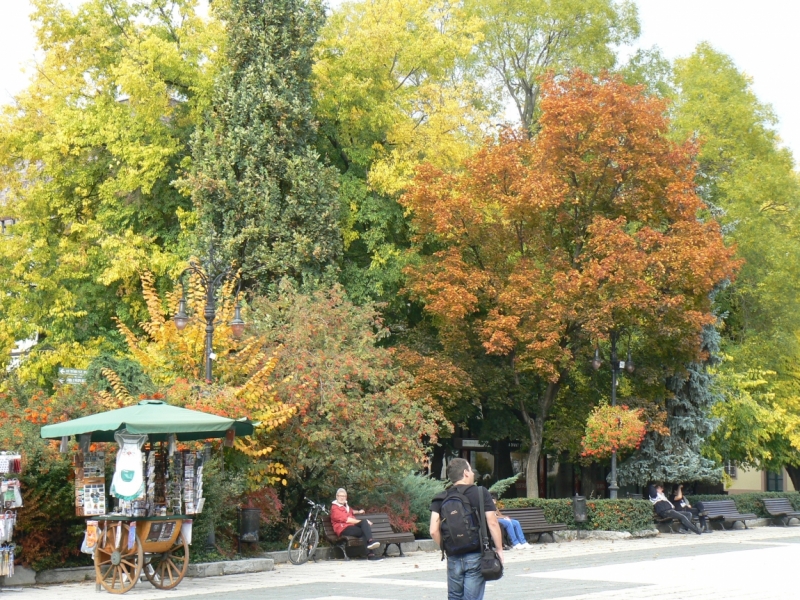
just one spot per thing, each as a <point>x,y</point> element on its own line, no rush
<point>339,516</point>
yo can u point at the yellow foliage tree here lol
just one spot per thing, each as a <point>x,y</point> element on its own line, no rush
<point>174,360</point>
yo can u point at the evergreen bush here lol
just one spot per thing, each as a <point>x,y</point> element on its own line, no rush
<point>603,515</point>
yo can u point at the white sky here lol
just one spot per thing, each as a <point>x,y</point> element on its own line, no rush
<point>762,37</point>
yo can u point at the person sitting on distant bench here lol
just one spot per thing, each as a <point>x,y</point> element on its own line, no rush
<point>682,504</point>
<point>513,529</point>
<point>345,523</point>
<point>665,510</point>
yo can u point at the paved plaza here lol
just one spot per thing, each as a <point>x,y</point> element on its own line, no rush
<point>753,564</point>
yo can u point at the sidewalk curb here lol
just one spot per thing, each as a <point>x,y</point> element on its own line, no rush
<point>230,567</point>
<point>24,576</point>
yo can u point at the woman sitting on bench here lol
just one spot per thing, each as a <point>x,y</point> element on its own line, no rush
<point>513,529</point>
<point>345,524</point>
<point>665,510</point>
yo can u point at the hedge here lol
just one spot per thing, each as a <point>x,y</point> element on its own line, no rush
<point>750,502</point>
<point>603,515</point>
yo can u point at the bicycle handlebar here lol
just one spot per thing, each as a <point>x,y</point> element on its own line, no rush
<point>315,505</point>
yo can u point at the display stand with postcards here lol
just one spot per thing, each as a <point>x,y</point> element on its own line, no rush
<point>11,496</point>
<point>156,488</point>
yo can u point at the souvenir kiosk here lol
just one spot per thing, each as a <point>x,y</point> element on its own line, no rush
<point>157,488</point>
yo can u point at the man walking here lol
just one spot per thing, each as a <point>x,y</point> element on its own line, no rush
<point>455,526</point>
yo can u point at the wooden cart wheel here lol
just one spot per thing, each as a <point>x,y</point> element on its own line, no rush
<point>165,570</point>
<point>117,566</point>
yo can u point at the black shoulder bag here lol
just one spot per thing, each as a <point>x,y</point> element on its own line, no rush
<point>491,565</point>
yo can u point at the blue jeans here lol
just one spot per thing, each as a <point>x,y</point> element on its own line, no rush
<point>464,579</point>
<point>514,530</point>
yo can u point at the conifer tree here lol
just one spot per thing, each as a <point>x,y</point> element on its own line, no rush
<point>677,457</point>
<point>257,181</point>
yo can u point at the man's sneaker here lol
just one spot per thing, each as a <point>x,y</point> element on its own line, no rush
<point>373,545</point>
<point>518,546</point>
<point>374,557</point>
<point>527,545</point>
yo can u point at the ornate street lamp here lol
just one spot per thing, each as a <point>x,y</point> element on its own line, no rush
<point>616,367</point>
<point>213,278</point>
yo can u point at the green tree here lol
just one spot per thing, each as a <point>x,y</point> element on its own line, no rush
<point>256,179</point>
<point>749,180</point>
<point>394,87</point>
<point>524,39</point>
<point>88,153</point>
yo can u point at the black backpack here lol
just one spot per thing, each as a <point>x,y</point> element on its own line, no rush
<point>459,523</point>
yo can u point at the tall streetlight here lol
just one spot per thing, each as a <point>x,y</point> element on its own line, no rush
<point>616,366</point>
<point>213,277</point>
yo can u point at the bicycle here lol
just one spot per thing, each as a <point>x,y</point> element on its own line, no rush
<point>304,542</point>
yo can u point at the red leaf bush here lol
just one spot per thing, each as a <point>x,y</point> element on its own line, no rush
<point>611,428</point>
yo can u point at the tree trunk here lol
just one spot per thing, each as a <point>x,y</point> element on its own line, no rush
<point>794,475</point>
<point>437,461</point>
<point>536,435</point>
<point>532,470</point>
<point>586,481</point>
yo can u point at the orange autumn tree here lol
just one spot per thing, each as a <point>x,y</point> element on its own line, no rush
<point>542,247</point>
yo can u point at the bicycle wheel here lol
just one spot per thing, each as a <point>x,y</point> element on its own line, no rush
<point>303,545</point>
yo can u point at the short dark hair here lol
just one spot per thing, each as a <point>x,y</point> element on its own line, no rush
<point>456,468</point>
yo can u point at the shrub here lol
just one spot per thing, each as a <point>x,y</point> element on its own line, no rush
<point>602,515</point>
<point>612,428</point>
<point>406,500</point>
<point>750,502</point>
<point>501,486</point>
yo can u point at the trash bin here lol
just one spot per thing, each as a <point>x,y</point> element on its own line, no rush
<point>579,509</point>
<point>249,522</point>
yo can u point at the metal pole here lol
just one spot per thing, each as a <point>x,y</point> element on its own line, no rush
<point>210,313</point>
<point>613,488</point>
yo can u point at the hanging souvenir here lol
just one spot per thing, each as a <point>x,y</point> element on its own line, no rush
<point>128,481</point>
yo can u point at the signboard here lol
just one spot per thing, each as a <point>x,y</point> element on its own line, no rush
<point>71,376</point>
<point>476,444</point>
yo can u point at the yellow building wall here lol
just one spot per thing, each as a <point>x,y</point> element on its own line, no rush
<point>751,480</point>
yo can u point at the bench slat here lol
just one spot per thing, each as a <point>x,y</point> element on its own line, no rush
<point>779,507</point>
<point>725,510</point>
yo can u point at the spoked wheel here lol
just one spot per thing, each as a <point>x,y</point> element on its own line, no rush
<point>166,569</point>
<point>303,545</point>
<point>118,566</point>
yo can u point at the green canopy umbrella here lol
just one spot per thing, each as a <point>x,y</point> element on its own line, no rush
<point>155,418</point>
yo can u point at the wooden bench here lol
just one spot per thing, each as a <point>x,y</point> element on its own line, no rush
<point>780,508</point>
<point>725,511</point>
<point>382,533</point>
<point>532,520</point>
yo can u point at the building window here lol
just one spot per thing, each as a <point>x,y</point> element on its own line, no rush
<point>730,469</point>
<point>774,481</point>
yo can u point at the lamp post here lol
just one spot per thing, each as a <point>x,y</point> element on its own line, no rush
<point>212,277</point>
<point>616,366</point>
